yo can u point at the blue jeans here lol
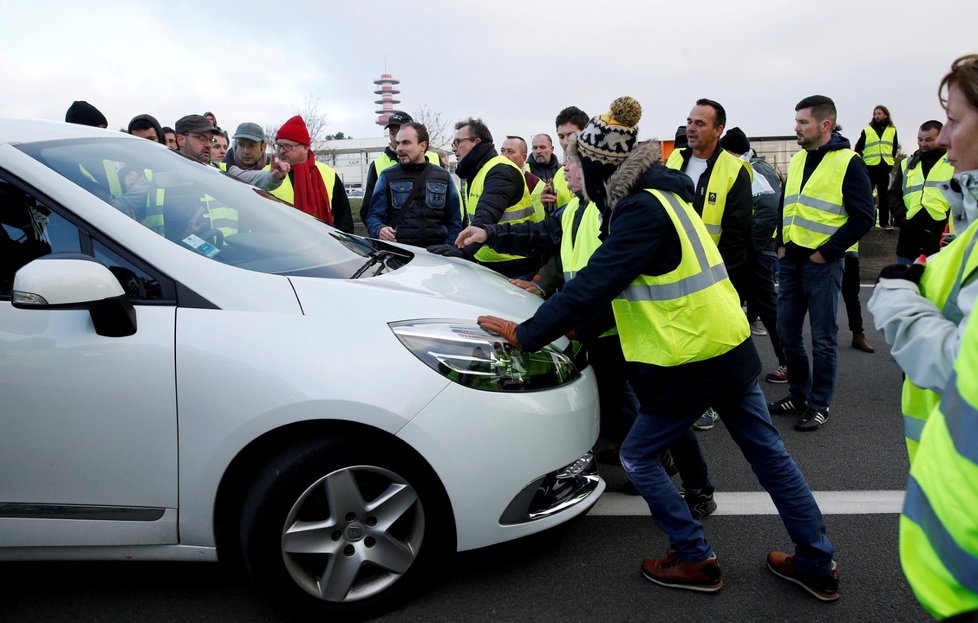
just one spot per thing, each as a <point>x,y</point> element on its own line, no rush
<point>746,417</point>
<point>813,289</point>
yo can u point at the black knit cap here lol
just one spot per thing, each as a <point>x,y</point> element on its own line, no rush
<point>83,113</point>
<point>680,141</point>
<point>735,141</point>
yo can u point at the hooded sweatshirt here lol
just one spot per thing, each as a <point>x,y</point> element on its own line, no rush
<point>152,121</point>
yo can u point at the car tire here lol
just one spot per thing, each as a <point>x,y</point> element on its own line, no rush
<point>342,528</point>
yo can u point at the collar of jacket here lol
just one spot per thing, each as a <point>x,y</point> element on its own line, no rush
<point>626,177</point>
<point>473,161</point>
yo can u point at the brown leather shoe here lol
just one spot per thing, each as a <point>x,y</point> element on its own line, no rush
<point>824,587</point>
<point>703,576</point>
<point>859,342</point>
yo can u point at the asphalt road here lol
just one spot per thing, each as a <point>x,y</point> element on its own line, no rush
<point>588,570</point>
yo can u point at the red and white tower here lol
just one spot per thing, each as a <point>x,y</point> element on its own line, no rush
<point>386,91</point>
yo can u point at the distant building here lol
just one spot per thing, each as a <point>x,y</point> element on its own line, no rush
<point>351,157</point>
<point>775,150</point>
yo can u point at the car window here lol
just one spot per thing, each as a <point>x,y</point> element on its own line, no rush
<point>202,210</point>
<point>29,230</point>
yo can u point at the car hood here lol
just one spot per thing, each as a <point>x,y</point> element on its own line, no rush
<point>429,286</point>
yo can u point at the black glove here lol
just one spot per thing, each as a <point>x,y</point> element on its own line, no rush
<point>448,250</point>
<point>903,271</point>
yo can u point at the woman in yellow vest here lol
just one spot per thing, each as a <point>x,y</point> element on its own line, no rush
<point>878,146</point>
<point>939,524</point>
<point>688,342</point>
<point>922,310</point>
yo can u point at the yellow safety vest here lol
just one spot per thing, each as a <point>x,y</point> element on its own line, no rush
<point>536,195</point>
<point>722,177</point>
<point>564,193</point>
<point>940,283</point>
<point>521,211</point>
<point>939,523</point>
<point>879,149</point>
<point>920,192</point>
<point>689,314</point>
<point>576,250</point>
<point>285,192</point>
<point>812,214</point>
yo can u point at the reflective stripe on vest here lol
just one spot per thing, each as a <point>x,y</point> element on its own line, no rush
<point>813,213</point>
<point>920,192</point>
<point>940,283</point>
<point>153,218</point>
<point>879,149</point>
<point>523,210</point>
<point>939,525</point>
<point>691,313</point>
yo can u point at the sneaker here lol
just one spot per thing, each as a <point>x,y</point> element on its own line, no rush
<point>824,587</point>
<point>706,421</point>
<point>787,406</point>
<point>779,376</point>
<point>703,576</point>
<point>812,420</point>
<point>757,328</point>
<point>700,504</point>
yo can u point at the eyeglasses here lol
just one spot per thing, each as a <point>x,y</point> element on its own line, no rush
<point>203,138</point>
<point>459,141</point>
<point>286,146</point>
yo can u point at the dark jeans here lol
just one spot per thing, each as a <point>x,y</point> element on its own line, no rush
<point>745,415</point>
<point>850,291</point>
<point>879,178</point>
<point>812,289</point>
<point>754,282</point>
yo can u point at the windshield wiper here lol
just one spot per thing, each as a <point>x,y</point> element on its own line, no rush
<point>380,256</point>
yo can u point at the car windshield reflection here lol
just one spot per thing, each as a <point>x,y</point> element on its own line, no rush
<point>203,210</point>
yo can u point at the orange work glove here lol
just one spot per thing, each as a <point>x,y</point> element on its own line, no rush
<point>504,328</point>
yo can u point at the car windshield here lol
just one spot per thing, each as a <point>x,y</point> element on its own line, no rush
<point>205,211</point>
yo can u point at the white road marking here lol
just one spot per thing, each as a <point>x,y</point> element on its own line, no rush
<point>759,503</point>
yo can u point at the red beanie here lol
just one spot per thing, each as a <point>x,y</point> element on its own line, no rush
<point>294,130</point>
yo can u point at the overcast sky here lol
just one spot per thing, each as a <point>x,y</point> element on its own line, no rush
<point>515,64</point>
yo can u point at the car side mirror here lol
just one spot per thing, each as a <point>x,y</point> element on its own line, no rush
<point>76,281</point>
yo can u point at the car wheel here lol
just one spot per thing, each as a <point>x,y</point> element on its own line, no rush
<point>341,528</point>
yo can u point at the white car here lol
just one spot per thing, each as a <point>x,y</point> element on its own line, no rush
<point>191,369</point>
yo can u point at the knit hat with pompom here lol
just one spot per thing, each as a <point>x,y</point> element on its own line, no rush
<point>610,137</point>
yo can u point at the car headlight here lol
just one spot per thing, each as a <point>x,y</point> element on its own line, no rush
<point>466,354</point>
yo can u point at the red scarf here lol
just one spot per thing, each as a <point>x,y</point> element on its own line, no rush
<point>310,190</point>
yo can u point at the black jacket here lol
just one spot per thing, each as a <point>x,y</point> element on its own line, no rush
<point>641,240</point>
<point>545,170</point>
<point>735,239</point>
<point>503,187</point>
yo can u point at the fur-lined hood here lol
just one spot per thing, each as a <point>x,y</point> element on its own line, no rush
<point>643,169</point>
